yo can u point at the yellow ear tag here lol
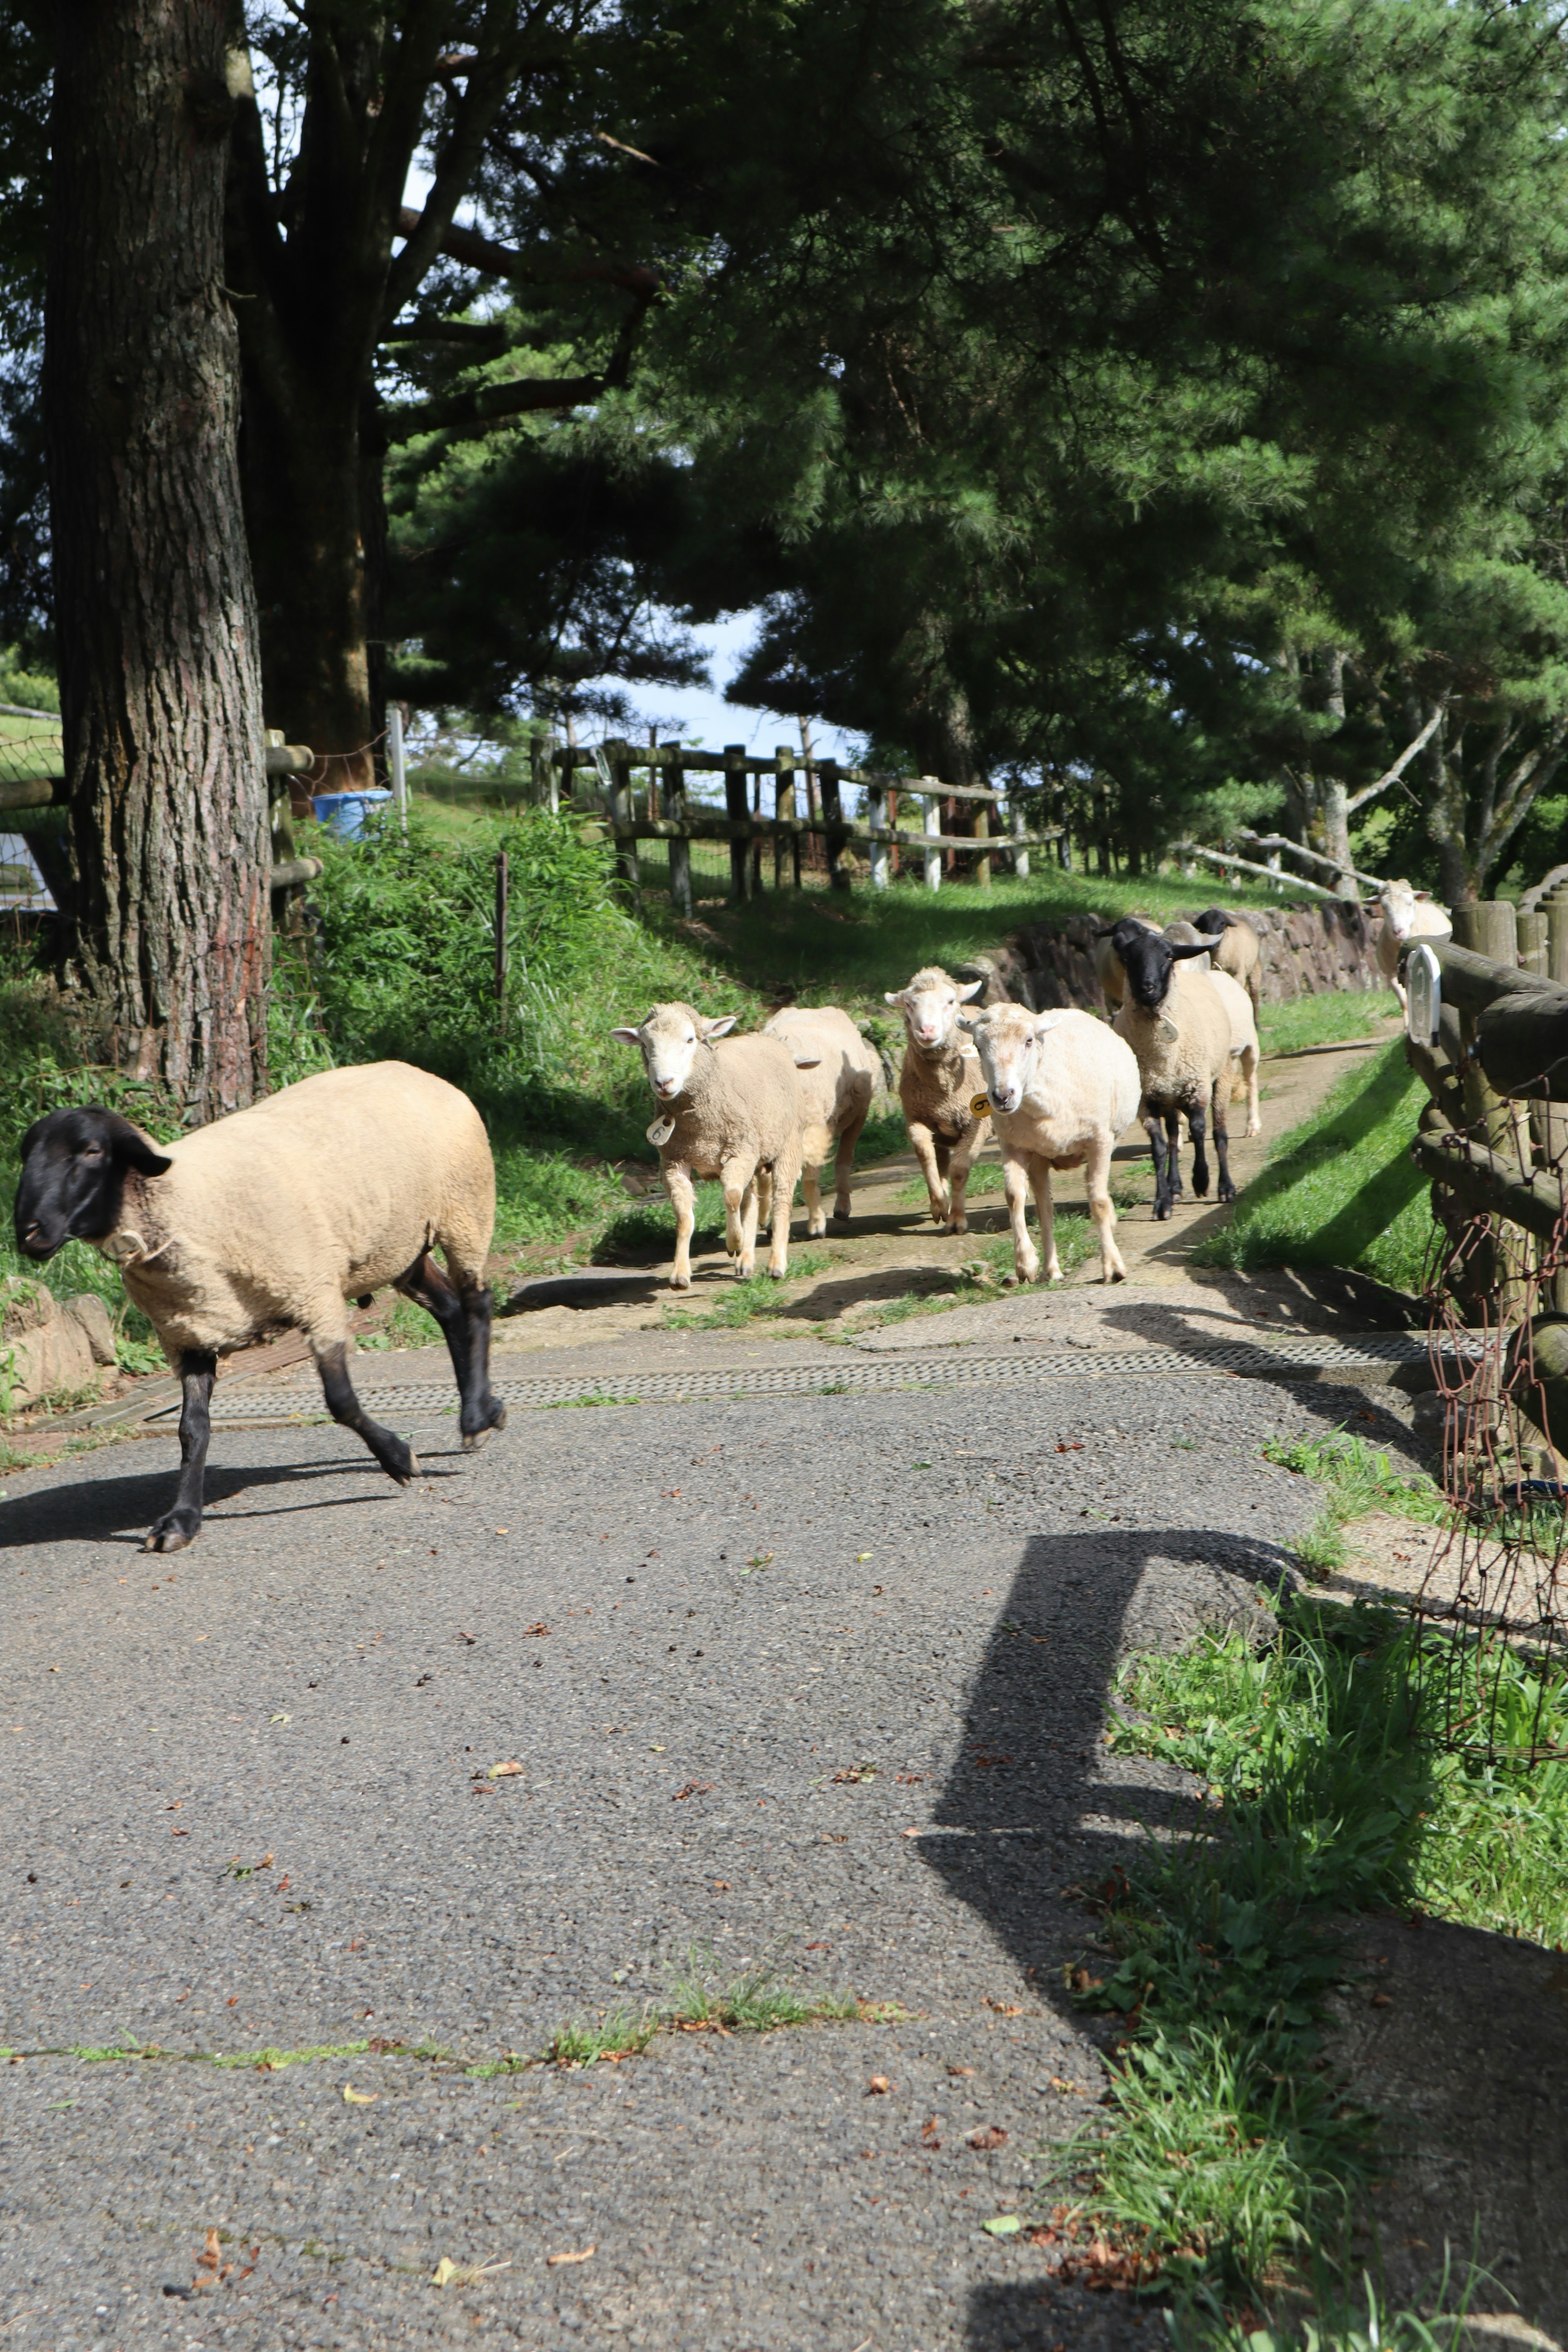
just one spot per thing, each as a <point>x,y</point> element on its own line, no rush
<point>980,1105</point>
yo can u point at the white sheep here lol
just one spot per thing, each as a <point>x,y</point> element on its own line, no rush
<point>726,1110</point>
<point>1062,1087</point>
<point>837,1077</point>
<point>1236,948</point>
<point>1189,1031</point>
<point>1407,914</point>
<point>938,1084</point>
<point>270,1220</point>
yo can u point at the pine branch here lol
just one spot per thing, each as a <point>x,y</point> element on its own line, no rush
<point>493,261</point>
<point>1370,792</point>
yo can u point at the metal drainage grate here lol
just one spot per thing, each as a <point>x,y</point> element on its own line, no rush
<point>1284,1360</point>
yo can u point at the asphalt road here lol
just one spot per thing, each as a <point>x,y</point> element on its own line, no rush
<point>240,1812</point>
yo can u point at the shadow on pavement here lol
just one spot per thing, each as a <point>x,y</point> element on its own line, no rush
<point>119,1511</point>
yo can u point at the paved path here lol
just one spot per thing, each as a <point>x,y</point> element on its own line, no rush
<point>239,1813</point>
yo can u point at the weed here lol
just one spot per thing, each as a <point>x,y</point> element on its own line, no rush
<point>756,2001</point>
<point>621,2034</point>
<point>1358,1481</point>
<point>741,1303</point>
<point>570,1404</point>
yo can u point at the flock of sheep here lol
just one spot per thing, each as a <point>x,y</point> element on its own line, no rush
<point>229,1235</point>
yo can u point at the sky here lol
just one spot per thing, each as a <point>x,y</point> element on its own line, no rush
<point>700,715</point>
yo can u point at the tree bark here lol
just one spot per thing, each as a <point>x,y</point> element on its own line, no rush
<point>159,663</point>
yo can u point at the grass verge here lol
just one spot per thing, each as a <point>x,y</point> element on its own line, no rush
<point>1340,1190</point>
<point>1356,1480</point>
<point>1231,2162</point>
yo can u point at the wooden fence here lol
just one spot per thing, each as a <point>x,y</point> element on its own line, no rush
<point>808,806</point>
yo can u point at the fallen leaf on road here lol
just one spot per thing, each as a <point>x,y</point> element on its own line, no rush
<point>279,1718</point>
<point>1002,2225</point>
<point>960,2069</point>
<point>877,2087</point>
<point>554,2260</point>
<point>448,2272</point>
<point>503,1771</point>
<point>352,2098</point>
<point>1379,1999</point>
<point>1004,2008</point>
<point>503,1531</point>
<point>694,1788</point>
<point>532,1633</point>
<point>211,2256</point>
<point>929,2132</point>
<point>987,2136</point>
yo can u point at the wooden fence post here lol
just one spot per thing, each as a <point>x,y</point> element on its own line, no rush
<point>931,805</point>
<point>619,758</point>
<point>680,851</point>
<point>1020,856</point>
<point>833,818</point>
<point>1491,927</point>
<point>982,833</point>
<point>756,865</point>
<point>738,808</point>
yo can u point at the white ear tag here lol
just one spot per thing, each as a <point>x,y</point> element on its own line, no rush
<point>662,1130</point>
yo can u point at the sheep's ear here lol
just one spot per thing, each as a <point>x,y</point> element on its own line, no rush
<point>627,1036</point>
<point>1045,1021</point>
<point>970,1022</point>
<point>132,1149</point>
<point>1168,1028</point>
<point>1423,894</point>
<point>967,995</point>
<point>722,1028</point>
<point>808,1061</point>
<point>895,996</point>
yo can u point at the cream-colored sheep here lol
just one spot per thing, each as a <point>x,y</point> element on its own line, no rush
<point>1235,947</point>
<point>1184,934</point>
<point>1407,914</point>
<point>837,1077</point>
<point>728,1110</point>
<point>1062,1087</point>
<point>1184,1028</point>
<point>939,1082</point>
<point>269,1220</point>
<point>1108,963</point>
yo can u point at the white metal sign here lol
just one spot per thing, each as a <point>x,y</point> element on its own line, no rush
<point>1423,996</point>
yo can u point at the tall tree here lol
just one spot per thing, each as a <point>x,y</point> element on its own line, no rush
<point>159,667</point>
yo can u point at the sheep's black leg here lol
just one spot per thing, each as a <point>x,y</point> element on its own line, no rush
<point>395,1457</point>
<point>1198,1129</point>
<point>465,1324</point>
<point>1174,1150</point>
<point>182,1526</point>
<point>1222,1142</point>
<point>482,1409</point>
<point>1157,1146</point>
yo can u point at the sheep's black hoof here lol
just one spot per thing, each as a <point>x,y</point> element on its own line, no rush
<point>174,1530</point>
<point>1225,1195</point>
<point>493,1419</point>
<point>1161,1212</point>
<point>400,1462</point>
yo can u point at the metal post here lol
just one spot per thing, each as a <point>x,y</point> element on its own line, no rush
<point>931,802</point>
<point>503,894</point>
<point>877,818</point>
<point>736,804</point>
<point>399,772</point>
<point>1020,856</point>
<point>680,851</point>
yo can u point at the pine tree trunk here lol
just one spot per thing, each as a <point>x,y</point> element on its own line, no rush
<point>160,671</point>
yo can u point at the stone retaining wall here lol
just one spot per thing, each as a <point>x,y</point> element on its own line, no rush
<point>1306,951</point>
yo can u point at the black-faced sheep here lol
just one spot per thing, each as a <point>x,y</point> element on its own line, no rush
<point>727,1110</point>
<point>1189,1031</point>
<point>1062,1087</point>
<point>838,1073</point>
<point>938,1083</point>
<point>270,1220</point>
<point>1108,963</point>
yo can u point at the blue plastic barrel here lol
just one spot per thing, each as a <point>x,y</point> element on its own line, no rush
<point>344,812</point>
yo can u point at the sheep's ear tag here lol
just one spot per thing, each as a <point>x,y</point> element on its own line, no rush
<point>661,1131</point>
<point>1168,1028</point>
<point>980,1106</point>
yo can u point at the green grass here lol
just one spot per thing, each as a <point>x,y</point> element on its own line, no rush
<point>758,2000</point>
<point>1356,1481</point>
<point>1338,1017</point>
<point>1340,1189</point>
<point>1228,2155</point>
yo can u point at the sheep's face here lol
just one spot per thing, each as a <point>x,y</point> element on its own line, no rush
<point>73,1174</point>
<point>1007,1040</point>
<point>1148,959</point>
<point>669,1040</point>
<point>1397,900</point>
<point>1215,920</point>
<point>930,1006</point>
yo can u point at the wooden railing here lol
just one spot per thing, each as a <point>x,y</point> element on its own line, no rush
<point>669,815</point>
